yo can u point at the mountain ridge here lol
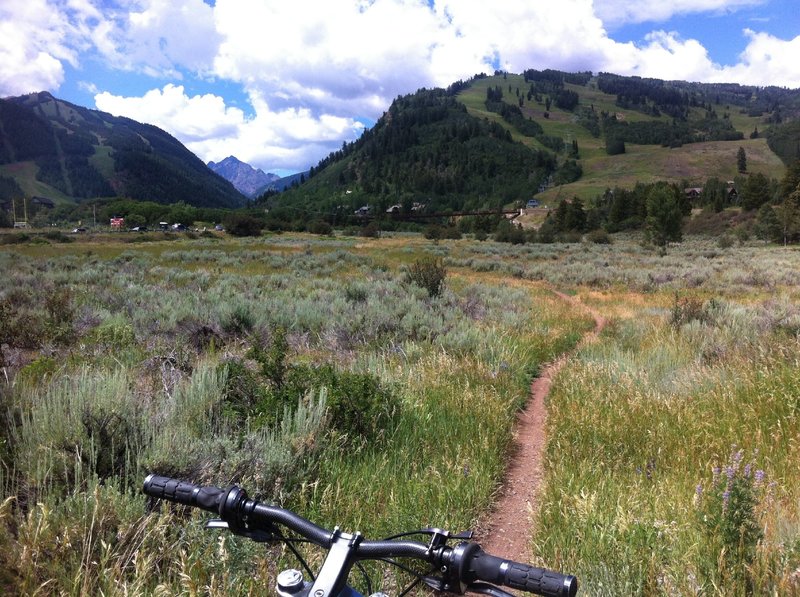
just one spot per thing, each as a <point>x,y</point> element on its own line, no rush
<point>75,153</point>
<point>247,179</point>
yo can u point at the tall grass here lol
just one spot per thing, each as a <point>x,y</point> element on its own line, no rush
<point>643,422</point>
<point>81,448</point>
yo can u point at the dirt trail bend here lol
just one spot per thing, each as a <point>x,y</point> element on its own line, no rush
<point>512,522</point>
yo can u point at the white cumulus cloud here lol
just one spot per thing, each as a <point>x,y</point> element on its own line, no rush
<point>291,139</point>
<point>616,12</point>
<point>196,118</point>
<point>34,44</point>
<point>160,37</point>
<point>766,60</point>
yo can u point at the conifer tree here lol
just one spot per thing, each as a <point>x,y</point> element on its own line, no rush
<point>741,160</point>
<point>664,221</point>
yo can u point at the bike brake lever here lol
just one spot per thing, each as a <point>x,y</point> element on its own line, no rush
<point>257,536</point>
<point>486,589</point>
<point>462,536</point>
<point>438,584</point>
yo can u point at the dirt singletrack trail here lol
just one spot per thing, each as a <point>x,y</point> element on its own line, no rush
<point>512,517</point>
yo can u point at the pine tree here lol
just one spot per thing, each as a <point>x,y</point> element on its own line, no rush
<point>741,160</point>
<point>664,222</point>
<point>789,216</point>
<point>767,225</point>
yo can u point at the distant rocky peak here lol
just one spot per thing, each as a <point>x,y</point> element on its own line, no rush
<point>243,176</point>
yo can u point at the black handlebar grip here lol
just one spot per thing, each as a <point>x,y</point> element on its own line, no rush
<point>523,577</point>
<point>181,492</point>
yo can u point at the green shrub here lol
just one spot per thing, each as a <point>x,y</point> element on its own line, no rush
<point>242,389</point>
<point>359,406</point>
<point>37,371</point>
<point>237,319</point>
<point>428,273</point>
<point>74,427</point>
<point>436,232</point>
<point>58,236</point>
<point>15,238</point>
<point>320,227</point>
<point>20,328</point>
<point>114,332</point>
<point>599,237</point>
<point>272,359</point>
<point>356,293</point>
<point>725,241</point>
<point>371,230</point>
<point>60,311</point>
<point>244,225</point>
<point>687,309</point>
<point>508,232</point>
<point>570,237</point>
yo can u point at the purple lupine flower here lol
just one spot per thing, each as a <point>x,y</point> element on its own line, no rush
<point>715,471</point>
<point>726,497</point>
<point>730,472</point>
<point>759,476</point>
<point>747,470</point>
<point>699,490</point>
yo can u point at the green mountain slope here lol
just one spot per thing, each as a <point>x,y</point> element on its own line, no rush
<point>692,162</point>
<point>427,148</point>
<point>500,140</point>
<point>66,152</point>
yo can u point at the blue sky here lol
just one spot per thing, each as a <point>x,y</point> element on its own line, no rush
<point>280,83</point>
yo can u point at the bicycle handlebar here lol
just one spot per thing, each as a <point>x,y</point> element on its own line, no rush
<point>466,562</point>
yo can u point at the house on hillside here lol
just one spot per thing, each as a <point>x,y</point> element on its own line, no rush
<point>693,192</point>
<point>731,192</point>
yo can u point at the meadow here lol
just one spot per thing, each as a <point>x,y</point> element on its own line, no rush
<point>671,464</point>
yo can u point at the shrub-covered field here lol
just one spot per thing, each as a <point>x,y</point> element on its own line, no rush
<point>373,384</point>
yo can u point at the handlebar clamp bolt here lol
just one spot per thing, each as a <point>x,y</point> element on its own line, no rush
<point>290,581</point>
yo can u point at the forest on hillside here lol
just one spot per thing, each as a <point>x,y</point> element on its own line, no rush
<point>84,153</point>
<point>428,148</point>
